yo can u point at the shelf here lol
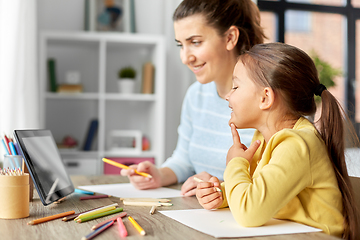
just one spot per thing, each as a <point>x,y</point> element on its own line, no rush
<point>94,96</point>
<point>130,97</point>
<point>97,57</point>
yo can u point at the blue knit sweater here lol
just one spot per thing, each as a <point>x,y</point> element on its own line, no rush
<point>204,134</point>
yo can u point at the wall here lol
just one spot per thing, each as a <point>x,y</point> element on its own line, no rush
<point>152,17</point>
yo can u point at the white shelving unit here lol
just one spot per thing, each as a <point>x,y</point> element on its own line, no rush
<point>98,57</point>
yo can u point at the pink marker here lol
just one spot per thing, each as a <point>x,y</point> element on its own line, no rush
<point>122,229</point>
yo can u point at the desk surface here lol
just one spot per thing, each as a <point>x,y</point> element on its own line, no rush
<point>157,226</point>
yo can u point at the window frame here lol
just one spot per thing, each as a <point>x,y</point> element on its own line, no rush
<point>351,14</point>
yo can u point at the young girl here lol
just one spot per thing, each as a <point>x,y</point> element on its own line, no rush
<point>291,170</point>
<point>211,35</point>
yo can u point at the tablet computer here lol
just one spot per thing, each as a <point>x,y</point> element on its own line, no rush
<point>44,163</point>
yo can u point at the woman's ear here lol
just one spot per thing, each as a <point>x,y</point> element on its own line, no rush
<point>232,37</point>
<point>267,98</point>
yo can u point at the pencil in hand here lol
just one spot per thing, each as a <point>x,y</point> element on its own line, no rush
<point>199,180</point>
<point>119,165</point>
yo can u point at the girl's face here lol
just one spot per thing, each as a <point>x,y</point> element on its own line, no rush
<point>202,49</point>
<point>244,99</point>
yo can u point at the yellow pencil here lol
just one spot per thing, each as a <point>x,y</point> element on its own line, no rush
<point>119,165</point>
<point>137,226</point>
<point>199,180</point>
<point>98,210</point>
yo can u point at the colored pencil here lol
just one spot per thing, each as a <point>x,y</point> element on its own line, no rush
<point>122,229</point>
<point>97,231</point>
<point>199,180</point>
<point>99,210</point>
<point>119,165</point>
<point>5,147</point>
<point>145,199</point>
<point>94,197</point>
<point>73,216</point>
<point>6,139</point>
<point>152,210</point>
<point>91,217</point>
<point>49,218</point>
<point>121,215</point>
<point>83,191</point>
<point>132,203</point>
<point>137,226</point>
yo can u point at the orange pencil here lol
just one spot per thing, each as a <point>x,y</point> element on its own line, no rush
<point>49,218</point>
<point>119,165</point>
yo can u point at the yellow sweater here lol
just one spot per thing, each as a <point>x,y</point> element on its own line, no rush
<point>290,177</point>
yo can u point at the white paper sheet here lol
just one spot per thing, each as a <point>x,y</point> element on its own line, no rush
<point>126,190</point>
<point>221,224</point>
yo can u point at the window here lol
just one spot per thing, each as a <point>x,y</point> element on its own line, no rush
<point>327,27</point>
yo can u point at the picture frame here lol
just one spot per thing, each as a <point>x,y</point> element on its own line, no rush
<point>108,15</point>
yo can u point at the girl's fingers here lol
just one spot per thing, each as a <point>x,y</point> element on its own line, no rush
<point>235,135</point>
<point>253,147</point>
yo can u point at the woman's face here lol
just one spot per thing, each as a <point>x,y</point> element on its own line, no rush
<point>203,50</point>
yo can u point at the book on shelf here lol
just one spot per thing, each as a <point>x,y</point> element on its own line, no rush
<point>52,74</point>
<point>91,134</point>
<point>70,88</point>
<point>148,78</point>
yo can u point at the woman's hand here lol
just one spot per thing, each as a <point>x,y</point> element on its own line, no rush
<point>207,195</point>
<point>240,150</point>
<point>141,182</point>
<point>189,187</point>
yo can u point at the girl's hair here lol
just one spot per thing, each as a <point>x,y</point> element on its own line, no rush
<point>222,14</point>
<point>292,75</point>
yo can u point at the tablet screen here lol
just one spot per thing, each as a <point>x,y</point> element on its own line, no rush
<point>44,163</point>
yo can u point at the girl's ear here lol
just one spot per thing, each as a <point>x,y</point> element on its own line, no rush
<point>232,37</point>
<point>267,98</point>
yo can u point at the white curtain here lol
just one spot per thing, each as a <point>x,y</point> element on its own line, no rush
<point>19,86</point>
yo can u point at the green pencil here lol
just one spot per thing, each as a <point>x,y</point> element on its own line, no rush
<point>98,215</point>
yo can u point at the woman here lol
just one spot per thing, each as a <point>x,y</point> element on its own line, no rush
<point>211,35</point>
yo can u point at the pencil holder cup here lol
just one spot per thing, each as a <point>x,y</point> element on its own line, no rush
<point>12,161</point>
<point>15,162</point>
<point>14,197</point>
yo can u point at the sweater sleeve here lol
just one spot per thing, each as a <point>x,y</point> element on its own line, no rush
<point>282,173</point>
<point>179,162</point>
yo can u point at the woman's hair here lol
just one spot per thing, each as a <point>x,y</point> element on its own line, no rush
<point>222,14</point>
<point>292,75</point>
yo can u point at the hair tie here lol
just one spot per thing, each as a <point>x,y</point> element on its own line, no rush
<point>319,89</point>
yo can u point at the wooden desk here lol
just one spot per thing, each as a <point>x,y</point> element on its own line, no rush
<point>157,226</point>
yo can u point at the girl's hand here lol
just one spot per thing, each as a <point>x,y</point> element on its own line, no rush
<point>207,195</point>
<point>240,150</point>
<point>141,182</point>
<point>189,187</point>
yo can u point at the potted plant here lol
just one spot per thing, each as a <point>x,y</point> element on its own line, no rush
<point>326,72</point>
<point>126,80</point>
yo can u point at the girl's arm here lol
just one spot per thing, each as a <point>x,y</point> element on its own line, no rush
<point>285,172</point>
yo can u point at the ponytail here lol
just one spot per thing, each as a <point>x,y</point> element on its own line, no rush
<point>332,125</point>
